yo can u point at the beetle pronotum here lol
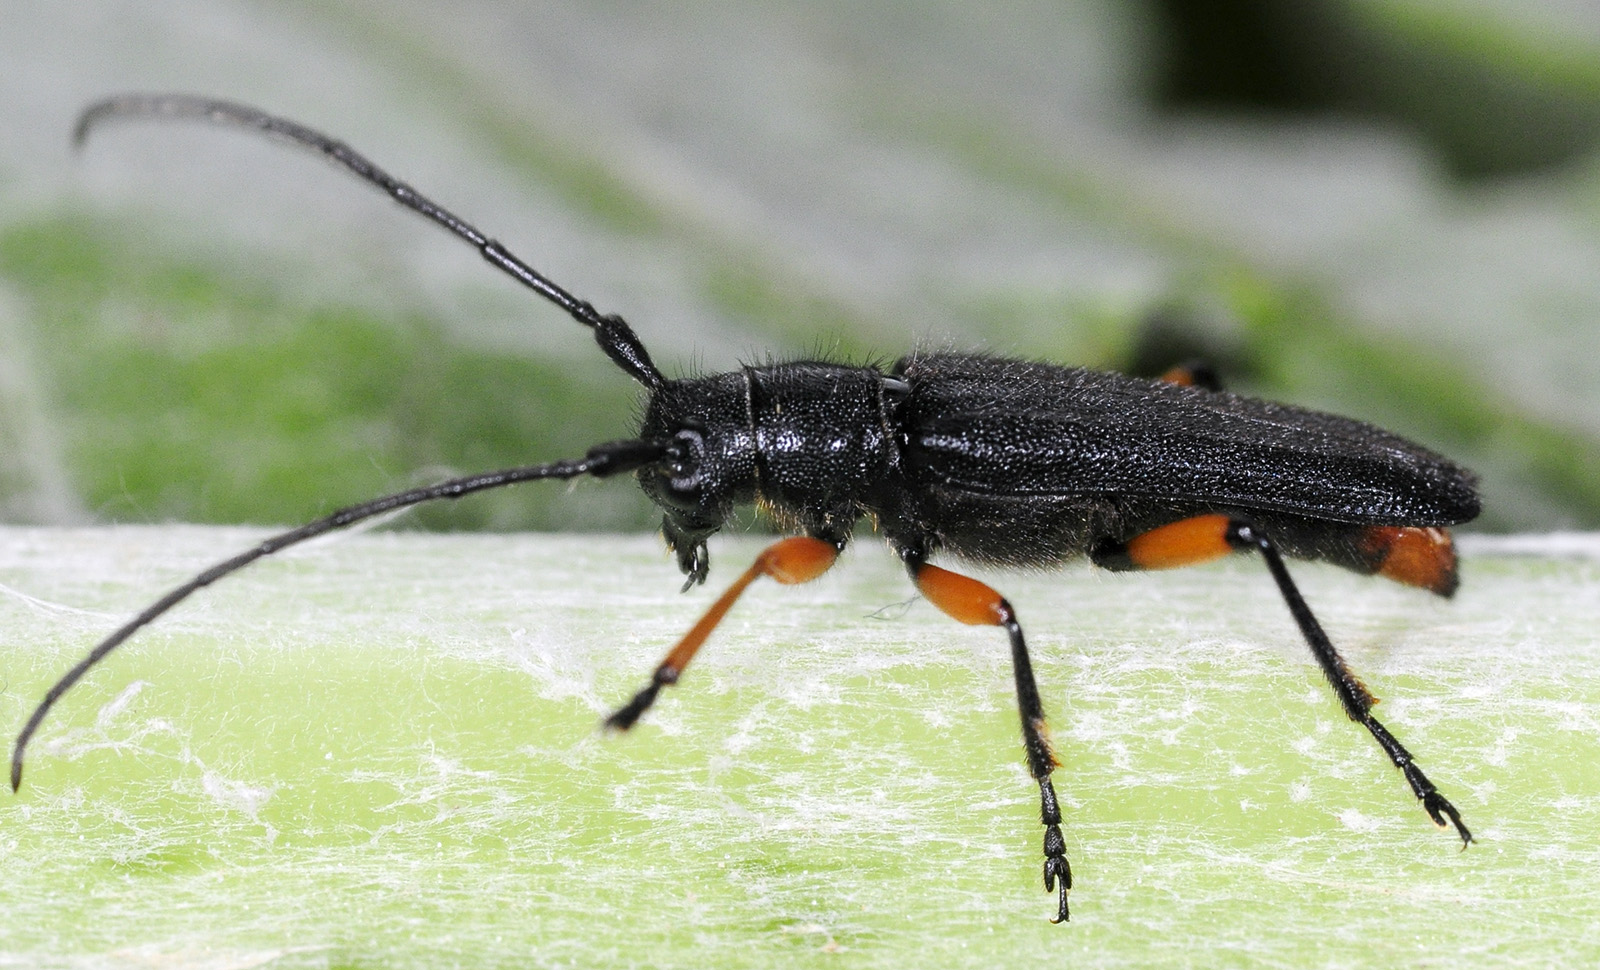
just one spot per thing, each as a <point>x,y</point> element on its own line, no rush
<point>997,461</point>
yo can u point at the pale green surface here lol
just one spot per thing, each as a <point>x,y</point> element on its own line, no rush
<point>382,753</point>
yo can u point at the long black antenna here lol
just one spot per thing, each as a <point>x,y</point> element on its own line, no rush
<point>611,332</point>
<point>601,461</point>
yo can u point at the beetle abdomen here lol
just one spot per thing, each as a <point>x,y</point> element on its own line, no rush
<point>1003,428</point>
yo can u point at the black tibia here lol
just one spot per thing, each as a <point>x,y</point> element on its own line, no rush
<point>970,601</point>
<point>1352,694</point>
<point>1041,762</point>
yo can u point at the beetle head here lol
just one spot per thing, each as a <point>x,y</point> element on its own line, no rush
<point>709,465</point>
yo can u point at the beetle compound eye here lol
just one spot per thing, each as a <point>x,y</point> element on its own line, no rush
<point>683,470</point>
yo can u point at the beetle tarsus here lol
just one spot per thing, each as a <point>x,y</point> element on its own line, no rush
<point>1058,878</point>
<point>628,714</point>
<point>1436,805</point>
<point>1056,868</point>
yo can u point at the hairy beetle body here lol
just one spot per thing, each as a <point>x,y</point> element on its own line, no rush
<point>1015,463</point>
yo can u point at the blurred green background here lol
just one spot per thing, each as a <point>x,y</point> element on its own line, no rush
<point>1382,207</point>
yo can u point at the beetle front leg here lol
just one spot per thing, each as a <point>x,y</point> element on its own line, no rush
<point>1205,537</point>
<point>797,559</point>
<point>970,601</point>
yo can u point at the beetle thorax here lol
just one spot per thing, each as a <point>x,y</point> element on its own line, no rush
<point>824,435</point>
<point>807,440</point>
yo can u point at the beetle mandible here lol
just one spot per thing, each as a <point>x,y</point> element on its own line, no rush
<point>997,461</point>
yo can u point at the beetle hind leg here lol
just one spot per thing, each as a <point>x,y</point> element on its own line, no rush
<point>1417,556</point>
<point>970,601</point>
<point>1357,701</point>
<point>1205,537</point>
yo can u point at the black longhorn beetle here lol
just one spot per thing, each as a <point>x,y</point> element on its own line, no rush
<point>997,461</point>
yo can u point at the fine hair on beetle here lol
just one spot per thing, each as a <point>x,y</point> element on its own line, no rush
<point>995,461</point>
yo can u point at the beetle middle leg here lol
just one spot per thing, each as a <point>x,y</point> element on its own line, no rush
<point>969,601</point>
<point>797,559</point>
<point>1204,537</point>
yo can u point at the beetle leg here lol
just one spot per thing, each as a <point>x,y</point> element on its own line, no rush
<point>970,601</point>
<point>1205,537</point>
<point>797,559</point>
<point>1193,373</point>
<point>1416,556</point>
